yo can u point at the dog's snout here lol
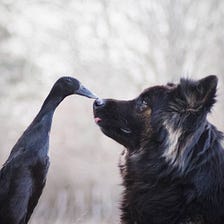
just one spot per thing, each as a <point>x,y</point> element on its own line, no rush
<point>99,103</point>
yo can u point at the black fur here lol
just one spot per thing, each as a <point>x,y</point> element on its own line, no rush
<point>23,175</point>
<point>173,164</point>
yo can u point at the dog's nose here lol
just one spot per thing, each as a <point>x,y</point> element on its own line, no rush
<point>99,103</point>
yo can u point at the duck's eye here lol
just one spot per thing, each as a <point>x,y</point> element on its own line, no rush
<point>170,84</point>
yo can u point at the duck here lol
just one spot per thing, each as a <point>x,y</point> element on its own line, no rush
<point>23,175</point>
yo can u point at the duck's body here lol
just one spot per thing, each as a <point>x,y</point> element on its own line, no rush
<point>23,175</point>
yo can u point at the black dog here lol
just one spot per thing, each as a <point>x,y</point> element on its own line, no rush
<point>173,164</point>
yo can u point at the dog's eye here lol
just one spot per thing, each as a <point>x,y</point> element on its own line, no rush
<point>143,105</point>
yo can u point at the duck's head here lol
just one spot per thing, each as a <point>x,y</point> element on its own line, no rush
<point>69,85</point>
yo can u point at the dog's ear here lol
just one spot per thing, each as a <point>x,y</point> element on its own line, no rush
<point>199,94</point>
<point>209,87</point>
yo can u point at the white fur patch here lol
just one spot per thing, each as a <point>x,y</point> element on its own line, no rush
<point>170,153</point>
<point>122,162</point>
<point>123,157</point>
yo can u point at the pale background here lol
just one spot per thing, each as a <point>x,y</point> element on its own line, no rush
<point>116,48</point>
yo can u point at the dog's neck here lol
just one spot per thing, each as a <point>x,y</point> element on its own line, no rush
<point>181,147</point>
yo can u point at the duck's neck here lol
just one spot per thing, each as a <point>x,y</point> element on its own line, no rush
<point>50,104</point>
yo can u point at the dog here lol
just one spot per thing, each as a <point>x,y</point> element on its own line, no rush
<point>172,166</point>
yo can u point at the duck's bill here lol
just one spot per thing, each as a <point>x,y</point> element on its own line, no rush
<point>85,92</point>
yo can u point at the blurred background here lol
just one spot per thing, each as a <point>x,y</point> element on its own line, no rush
<point>116,48</point>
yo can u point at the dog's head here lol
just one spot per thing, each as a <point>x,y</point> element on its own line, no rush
<point>160,110</point>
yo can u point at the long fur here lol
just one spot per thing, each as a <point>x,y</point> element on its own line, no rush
<point>173,164</point>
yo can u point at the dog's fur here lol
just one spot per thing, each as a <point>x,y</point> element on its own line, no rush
<point>173,164</point>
